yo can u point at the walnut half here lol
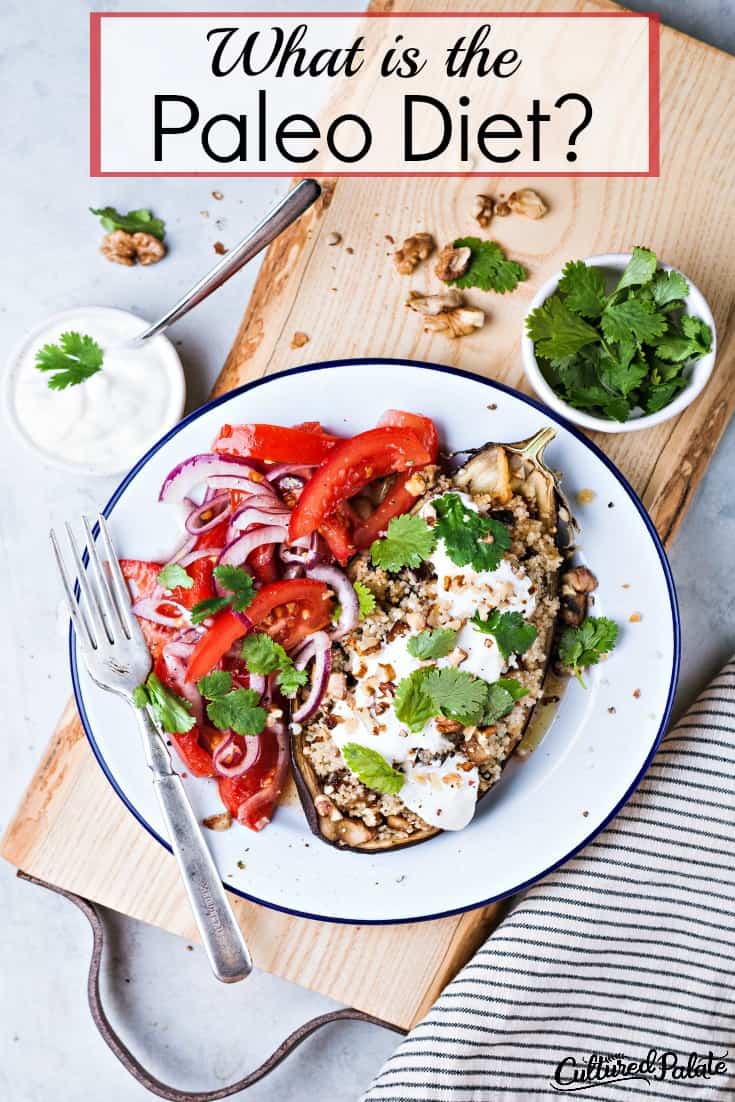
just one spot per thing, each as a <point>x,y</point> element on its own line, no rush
<point>452,262</point>
<point>446,313</point>
<point>414,249</point>
<point>125,248</point>
<point>527,202</point>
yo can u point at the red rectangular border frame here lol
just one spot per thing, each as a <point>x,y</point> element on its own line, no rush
<point>95,75</point>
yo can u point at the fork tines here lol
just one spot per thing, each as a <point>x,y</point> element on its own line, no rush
<point>103,614</point>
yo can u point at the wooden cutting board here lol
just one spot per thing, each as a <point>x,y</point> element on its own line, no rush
<point>348,299</point>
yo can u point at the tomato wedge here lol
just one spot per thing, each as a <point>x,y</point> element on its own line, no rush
<point>288,610</point>
<point>349,467</point>
<point>194,756</point>
<point>307,444</point>
<point>251,798</point>
<point>399,499</point>
<point>144,579</point>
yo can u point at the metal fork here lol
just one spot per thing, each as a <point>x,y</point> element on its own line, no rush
<point>118,660</point>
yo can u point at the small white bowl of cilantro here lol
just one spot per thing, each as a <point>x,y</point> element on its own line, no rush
<point>619,342</point>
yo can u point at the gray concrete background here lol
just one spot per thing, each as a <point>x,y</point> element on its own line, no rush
<point>192,1031</point>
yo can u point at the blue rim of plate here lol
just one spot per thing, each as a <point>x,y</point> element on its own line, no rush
<point>418,365</point>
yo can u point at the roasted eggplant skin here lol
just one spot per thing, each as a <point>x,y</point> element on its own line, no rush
<point>501,470</point>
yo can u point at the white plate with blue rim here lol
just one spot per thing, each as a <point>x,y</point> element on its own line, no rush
<point>546,807</point>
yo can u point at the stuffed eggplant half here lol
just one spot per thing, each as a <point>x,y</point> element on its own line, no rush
<point>432,691</point>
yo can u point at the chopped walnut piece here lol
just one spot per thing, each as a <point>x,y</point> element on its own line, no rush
<point>502,207</point>
<point>119,247</point>
<point>219,248</point>
<point>452,263</point>
<point>413,250</point>
<point>527,202</point>
<point>223,821</point>
<point>299,339</point>
<point>148,249</point>
<point>334,238</point>
<point>445,313</point>
<point>217,195</point>
<point>482,210</point>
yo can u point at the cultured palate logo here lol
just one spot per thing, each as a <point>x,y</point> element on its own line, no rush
<point>574,1074</point>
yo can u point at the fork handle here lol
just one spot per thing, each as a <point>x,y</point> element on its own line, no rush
<point>222,937</point>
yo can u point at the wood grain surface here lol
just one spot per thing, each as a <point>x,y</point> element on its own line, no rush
<point>70,828</point>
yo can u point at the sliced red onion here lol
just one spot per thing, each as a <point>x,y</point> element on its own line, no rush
<point>186,548</point>
<point>249,515</point>
<point>256,484</point>
<point>273,474</point>
<point>337,580</point>
<point>256,682</point>
<point>202,553</point>
<point>231,760</point>
<point>147,607</point>
<point>203,468</point>
<point>237,552</point>
<point>176,667</point>
<point>255,812</point>
<point>318,646</point>
<point>303,551</point>
<point>220,506</point>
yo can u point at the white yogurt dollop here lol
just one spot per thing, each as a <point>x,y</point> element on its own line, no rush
<point>105,423</point>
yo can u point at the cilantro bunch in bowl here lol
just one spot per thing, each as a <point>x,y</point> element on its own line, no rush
<point>619,342</point>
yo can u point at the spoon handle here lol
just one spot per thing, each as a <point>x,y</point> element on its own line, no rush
<point>286,211</point>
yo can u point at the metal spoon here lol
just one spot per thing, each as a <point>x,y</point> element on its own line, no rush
<point>286,211</point>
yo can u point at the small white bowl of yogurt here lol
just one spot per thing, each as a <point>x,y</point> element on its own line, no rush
<point>102,425</point>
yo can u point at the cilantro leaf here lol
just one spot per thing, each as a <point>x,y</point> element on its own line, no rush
<point>408,542</point>
<point>621,376</point>
<point>173,576</point>
<point>140,696</point>
<point>413,705</point>
<point>673,348</point>
<point>215,684</point>
<point>512,633</point>
<point>469,537</point>
<point>669,287</point>
<point>172,712</point>
<point>636,318</point>
<point>365,598</point>
<point>372,769</point>
<point>501,698</point>
<point>135,221</point>
<point>238,582</point>
<point>239,711</point>
<point>698,332</point>
<point>640,269</point>
<point>74,358</point>
<point>556,331</point>
<point>290,680</point>
<point>204,609</point>
<point>432,644</point>
<point>262,655</point>
<point>584,646</point>
<point>456,694</point>
<point>583,288</point>
<point>489,268</point>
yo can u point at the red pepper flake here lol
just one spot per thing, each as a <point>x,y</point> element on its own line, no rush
<point>299,339</point>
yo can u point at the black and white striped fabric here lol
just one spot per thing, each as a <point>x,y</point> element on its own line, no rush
<point>629,948</point>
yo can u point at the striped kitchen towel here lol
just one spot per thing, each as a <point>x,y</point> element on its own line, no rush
<point>614,978</point>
